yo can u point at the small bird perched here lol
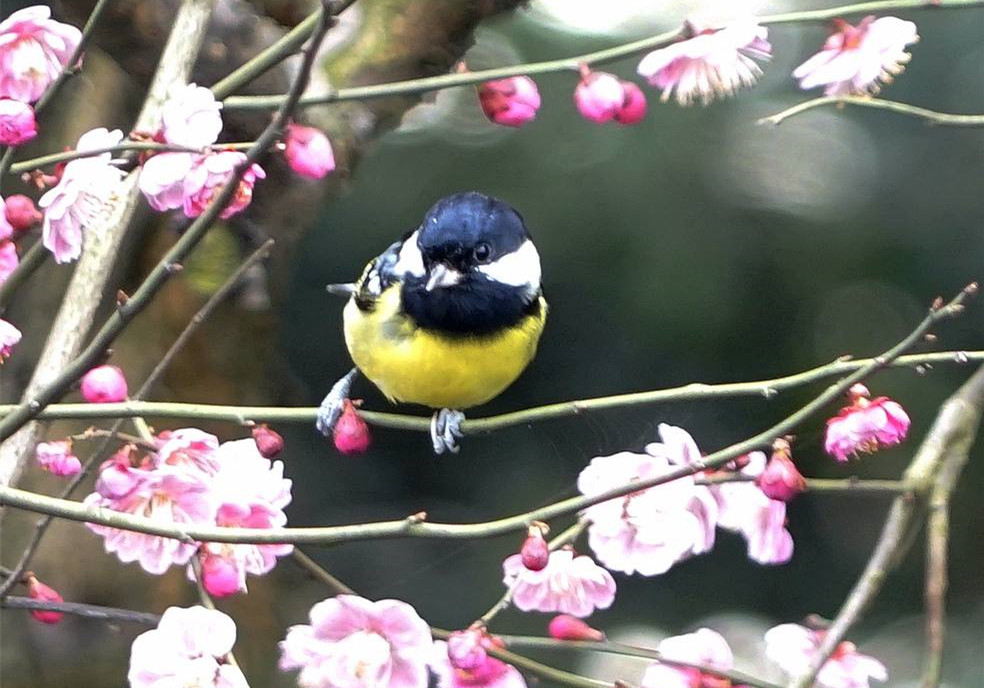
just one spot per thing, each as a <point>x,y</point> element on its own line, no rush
<point>448,316</point>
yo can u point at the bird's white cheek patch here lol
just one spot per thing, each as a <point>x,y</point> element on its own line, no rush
<point>410,261</point>
<point>521,268</point>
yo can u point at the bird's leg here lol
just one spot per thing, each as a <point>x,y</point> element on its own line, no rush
<point>446,430</point>
<point>332,405</point>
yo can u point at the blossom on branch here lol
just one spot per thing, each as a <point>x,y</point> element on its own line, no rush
<point>780,479</point>
<point>104,384</point>
<point>34,48</point>
<point>569,584</point>
<point>85,187</point>
<point>190,117</point>
<point>189,647</point>
<point>705,647</point>
<point>10,336</point>
<point>512,101</point>
<point>793,648</point>
<point>567,627</point>
<point>8,259</point>
<point>57,458</point>
<point>17,123</point>
<point>19,214</point>
<point>37,590</point>
<point>858,59</point>
<point>463,662</point>
<point>709,63</point>
<point>352,641</point>
<point>308,151</point>
<point>603,97</point>
<point>865,426</point>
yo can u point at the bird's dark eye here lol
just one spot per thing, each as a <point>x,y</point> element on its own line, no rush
<point>482,252</point>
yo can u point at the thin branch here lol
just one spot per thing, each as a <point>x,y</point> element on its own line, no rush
<point>167,265</point>
<point>89,611</point>
<point>320,574</point>
<point>609,647</point>
<point>32,259</point>
<point>572,64</point>
<point>939,460</point>
<point>937,543</point>
<point>930,116</point>
<point>122,147</point>
<point>244,415</point>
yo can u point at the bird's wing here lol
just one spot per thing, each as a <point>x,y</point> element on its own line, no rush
<point>379,274</point>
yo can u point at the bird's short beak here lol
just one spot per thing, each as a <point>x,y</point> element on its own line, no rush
<point>442,276</point>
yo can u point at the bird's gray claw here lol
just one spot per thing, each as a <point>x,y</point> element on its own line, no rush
<point>332,405</point>
<point>446,430</point>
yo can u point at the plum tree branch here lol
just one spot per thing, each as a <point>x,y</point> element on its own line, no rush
<point>929,116</point>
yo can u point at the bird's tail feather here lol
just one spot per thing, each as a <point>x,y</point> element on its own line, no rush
<point>345,290</point>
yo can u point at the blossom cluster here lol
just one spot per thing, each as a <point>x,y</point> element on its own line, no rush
<point>192,480</point>
<point>709,63</point>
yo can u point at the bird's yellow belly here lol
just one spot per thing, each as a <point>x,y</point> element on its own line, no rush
<point>418,366</point>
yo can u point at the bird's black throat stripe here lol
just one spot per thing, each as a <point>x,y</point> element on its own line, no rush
<point>476,307</point>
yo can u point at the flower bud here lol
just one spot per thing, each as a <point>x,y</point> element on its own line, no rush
<point>633,108</point>
<point>602,97</point>
<point>535,552</point>
<point>780,480</point>
<point>567,627</point>
<point>220,575</point>
<point>308,151</point>
<point>17,123</point>
<point>466,649</point>
<point>57,458</point>
<point>39,591</point>
<point>103,385</point>
<point>351,433</point>
<point>21,212</point>
<point>511,102</point>
<point>268,442</point>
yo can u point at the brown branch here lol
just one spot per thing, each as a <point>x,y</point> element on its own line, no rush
<point>89,611</point>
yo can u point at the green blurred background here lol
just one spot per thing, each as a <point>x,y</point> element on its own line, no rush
<point>695,246</point>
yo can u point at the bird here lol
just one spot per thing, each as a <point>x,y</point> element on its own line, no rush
<point>448,316</point>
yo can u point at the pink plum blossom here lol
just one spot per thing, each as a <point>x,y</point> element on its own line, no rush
<point>86,186</point>
<point>37,590</point>
<point>19,215</point>
<point>462,662</point>
<point>17,123</point>
<point>188,648</point>
<point>649,530</point>
<point>8,259</point>
<point>189,448</point>
<point>308,151</point>
<point>162,179</point>
<point>512,101</point>
<point>118,476</point>
<point>354,642</point>
<point>858,59</point>
<point>567,627</point>
<point>603,97</point>
<point>793,648</point>
<point>33,51</point>
<point>744,508</point>
<point>780,480</point>
<point>570,584</point>
<point>704,647</point>
<point>104,384</point>
<point>208,175</point>
<point>190,117</point>
<point>865,426</point>
<point>57,458</point>
<point>708,64</point>
<point>10,336</point>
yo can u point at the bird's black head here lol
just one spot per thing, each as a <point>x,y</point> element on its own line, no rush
<point>471,267</point>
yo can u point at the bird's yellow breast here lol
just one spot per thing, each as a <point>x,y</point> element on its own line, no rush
<point>413,365</point>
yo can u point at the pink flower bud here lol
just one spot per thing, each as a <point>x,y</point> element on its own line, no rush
<point>567,627</point>
<point>104,385</point>
<point>57,458</point>
<point>220,575</point>
<point>17,123</point>
<point>21,212</point>
<point>535,553</point>
<point>351,433</point>
<point>602,97</point>
<point>39,591</point>
<point>512,101</point>
<point>308,151</point>
<point>466,649</point>
<point>268,442</point>
<point>780,480</point>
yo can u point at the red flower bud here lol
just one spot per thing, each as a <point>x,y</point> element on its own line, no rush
<point>351,433</point>
<point>268,442</point>
<point>21,212</point>
<point>567,627</point>
<point>780,480</point>
<point>220,576</point>
<point>104,384</point>
<point>535,553</point>
<point>39,591</point>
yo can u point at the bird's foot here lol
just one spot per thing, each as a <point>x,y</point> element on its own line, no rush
<point>446,430</point>
<point>333,404</point>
